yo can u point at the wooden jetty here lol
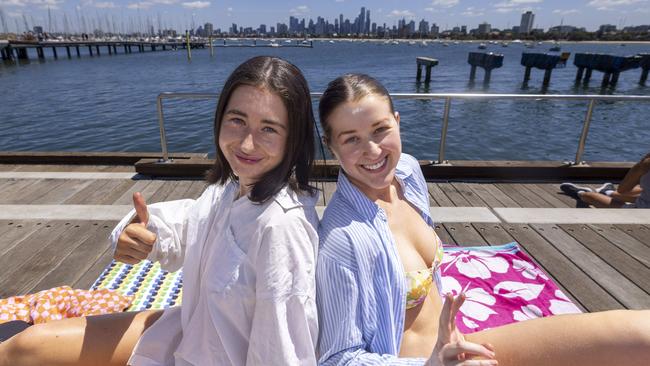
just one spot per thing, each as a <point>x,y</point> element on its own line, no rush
<point>12,49</point>
<point>56,211</point>
<point>18,49</point>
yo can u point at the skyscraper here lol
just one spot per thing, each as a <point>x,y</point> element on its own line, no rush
<point>367,21</point>
<point>362,20</point>
<point>527,20</point>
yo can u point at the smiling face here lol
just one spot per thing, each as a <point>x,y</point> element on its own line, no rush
<point>253,133</point>
<point>364,137</point>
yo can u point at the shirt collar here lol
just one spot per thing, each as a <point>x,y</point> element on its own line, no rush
<point>367,208</point>
<point>288,199</point>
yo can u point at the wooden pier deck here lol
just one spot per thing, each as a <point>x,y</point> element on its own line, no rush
<point>55,220</point>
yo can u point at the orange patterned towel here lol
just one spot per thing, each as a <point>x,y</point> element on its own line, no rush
<point>62,302</point>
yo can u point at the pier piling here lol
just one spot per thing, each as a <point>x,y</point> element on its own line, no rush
<point>97,48</point>
<point>611,66</point>
<point>488,61</point>
<point>78,52</point>
<point>22,54</point>
<point>189,48</point>
<point>40,53</point>
<point>645,66</point>
<point>544,62</point>
<point>428,63</point>
<point>56,56</point>
<point>67,50</point>
<point>110,51</point>
<point>90,50</point>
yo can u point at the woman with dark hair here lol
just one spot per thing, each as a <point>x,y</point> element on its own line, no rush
<point>247,247</point>
<point>378,281</point>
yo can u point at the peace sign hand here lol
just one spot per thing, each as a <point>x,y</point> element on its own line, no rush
<point>451,347</point>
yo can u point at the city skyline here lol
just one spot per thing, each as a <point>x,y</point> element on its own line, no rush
<point>55,15</point>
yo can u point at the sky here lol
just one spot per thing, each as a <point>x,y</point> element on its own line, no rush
<point>182,14</point>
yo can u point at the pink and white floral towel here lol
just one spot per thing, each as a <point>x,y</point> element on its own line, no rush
<point>502,284</point>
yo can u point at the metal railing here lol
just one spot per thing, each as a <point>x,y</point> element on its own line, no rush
<point>447,97</point>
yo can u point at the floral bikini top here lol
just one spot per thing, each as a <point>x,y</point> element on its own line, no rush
<point>419,282</point>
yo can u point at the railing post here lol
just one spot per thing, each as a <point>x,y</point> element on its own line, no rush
<point>163,138</point>
<point>443,137</point>
<point>585,131</point>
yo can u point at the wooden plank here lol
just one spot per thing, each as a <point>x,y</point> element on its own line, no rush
<point>455,196</point>
<point>166,187</point>
<point>438,197</point>
<point>466,191</point>
<point>18,185</point>
<point>554,189</point>
<point>84,195</point>
<point>555,198</point>
<point>464,234</point>
<point>116,192</point>
<point>626,242</point>
<point>530,193</point>
<point>624,290</point>
<point>510,190</point>
<point>37,267</point>
<point>73,266</point>
<point>500,195</point>
<point>325,189</point>
<point>486,196</point>
<point>62,192</point>
<point>8,167</point>
<point>90,276</point>
<point>179,192</point>
<point>27,249</point>
<point>589,294</point>
<point>627,265</point>
<point>495,234</point>
<point>15,231</point>
<point>35,191</point>
<point>444,235</point>
<point>126,198</point>
<point>196,189</point>
<point>639,232</point>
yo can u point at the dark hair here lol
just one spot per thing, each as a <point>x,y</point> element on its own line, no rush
<point>348,88</point>
<point>286,81</point>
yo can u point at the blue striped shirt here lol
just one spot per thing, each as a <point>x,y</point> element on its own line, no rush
<point>361,287</point>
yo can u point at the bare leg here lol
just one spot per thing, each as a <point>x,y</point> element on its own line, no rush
<point>619,337</point>
<point>600,200</point>
<point>94,340</point>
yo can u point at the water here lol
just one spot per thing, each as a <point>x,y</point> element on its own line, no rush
<point>108,103</point>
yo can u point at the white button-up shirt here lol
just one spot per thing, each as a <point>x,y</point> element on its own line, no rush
<point>248,280</point>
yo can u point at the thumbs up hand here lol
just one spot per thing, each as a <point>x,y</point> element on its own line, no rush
<point>135,242</point>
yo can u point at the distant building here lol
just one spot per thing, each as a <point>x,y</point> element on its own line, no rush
<point>526,25</point>
<point>607,28</point>
<point>423,27</point>
<point>208,28</point>
<point>484,28</point>
<point>38,29</point>
<point>282,28</point>
<point>463,29</point>
<point>368,21</point>
<point>515,29</point>
<point>233,29</point>
<point>564,29</point>
<point>435,30</point>
<point>262,29</point>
